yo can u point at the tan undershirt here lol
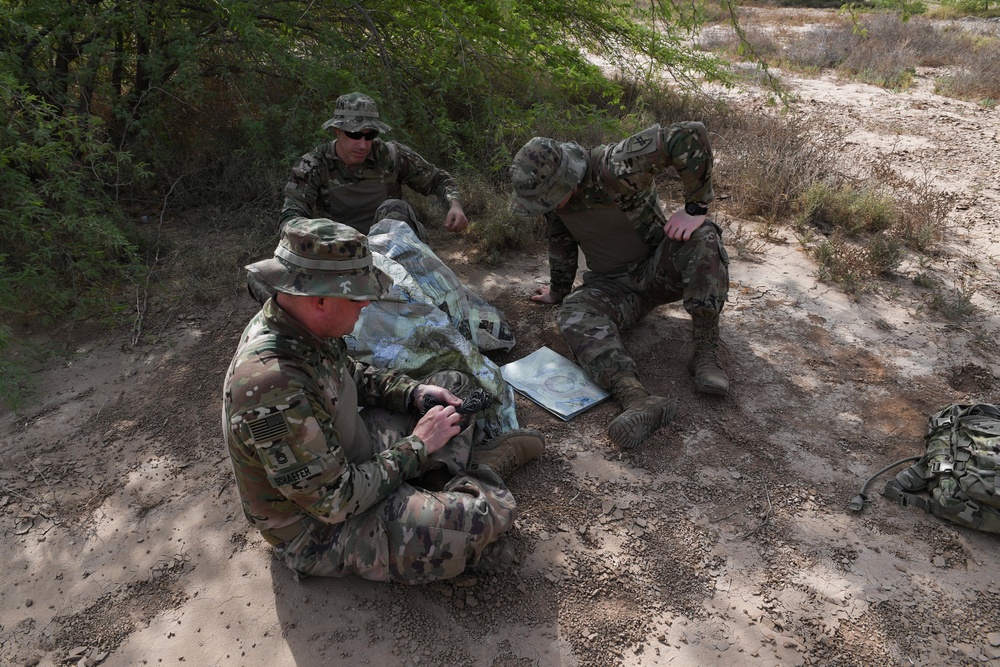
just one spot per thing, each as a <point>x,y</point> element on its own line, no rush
<point>607,238</point>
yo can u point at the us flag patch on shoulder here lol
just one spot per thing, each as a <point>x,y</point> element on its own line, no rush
<point>269,428</point>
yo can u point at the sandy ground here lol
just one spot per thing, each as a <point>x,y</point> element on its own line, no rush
<point>725,540</point>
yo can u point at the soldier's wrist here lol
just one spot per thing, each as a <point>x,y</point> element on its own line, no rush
<point>696,208</point>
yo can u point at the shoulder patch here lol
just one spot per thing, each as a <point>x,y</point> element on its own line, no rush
<point>268,428</point>
<point>636,145</point>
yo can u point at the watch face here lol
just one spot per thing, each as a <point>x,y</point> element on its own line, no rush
<point>693,208</point>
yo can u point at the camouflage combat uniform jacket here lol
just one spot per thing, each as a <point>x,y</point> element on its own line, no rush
<point>322,186</point>
<point>292,429</point>
<point>619,192</point>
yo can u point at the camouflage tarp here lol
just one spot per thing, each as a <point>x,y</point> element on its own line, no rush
<point>429,322</point>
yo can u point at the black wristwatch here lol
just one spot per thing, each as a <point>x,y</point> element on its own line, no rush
<point>695,208</point>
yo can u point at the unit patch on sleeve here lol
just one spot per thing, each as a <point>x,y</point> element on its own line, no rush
<point>636,145</point>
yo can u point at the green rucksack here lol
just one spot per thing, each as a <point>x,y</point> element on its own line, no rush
<point>958,472</point>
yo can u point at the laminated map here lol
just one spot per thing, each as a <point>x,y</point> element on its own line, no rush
<point>554,382</point>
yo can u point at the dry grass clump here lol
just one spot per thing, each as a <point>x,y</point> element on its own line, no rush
<point>855,265</point>
<point>493,229</point>
<point>870,227</point>
<point>880,49</point>
<point>974,76</point>
<point>758,41</point>
<point>819,48</point>
<point>766,161</point>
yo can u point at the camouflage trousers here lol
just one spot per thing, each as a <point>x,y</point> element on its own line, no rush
<point>429,528</point>
<point>398,209</point>
<point>594,315</point>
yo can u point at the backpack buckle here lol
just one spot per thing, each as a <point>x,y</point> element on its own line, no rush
<point>938,467</point>
<point>943,420</point>
<point>892,491</point>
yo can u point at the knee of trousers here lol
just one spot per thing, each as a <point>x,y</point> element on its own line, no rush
<point>579,313</point>
<point>396,209</point>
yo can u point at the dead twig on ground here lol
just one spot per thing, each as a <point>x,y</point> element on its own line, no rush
<point>765,517</point>
<point>42,475</point>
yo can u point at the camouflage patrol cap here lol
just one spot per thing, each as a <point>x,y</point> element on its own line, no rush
<point>544,171</point>
<point>356,112</point>
<point>320,257</point>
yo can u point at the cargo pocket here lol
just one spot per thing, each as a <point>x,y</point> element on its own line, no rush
<point>419,554</point>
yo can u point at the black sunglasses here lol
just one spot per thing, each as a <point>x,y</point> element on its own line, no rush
<point>369,135</point>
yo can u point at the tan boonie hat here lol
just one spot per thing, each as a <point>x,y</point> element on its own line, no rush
<point>320,257</point>
<point>544,171</point>
<point>356,112</point>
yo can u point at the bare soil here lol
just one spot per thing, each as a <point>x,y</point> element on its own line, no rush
<point>724,540</point>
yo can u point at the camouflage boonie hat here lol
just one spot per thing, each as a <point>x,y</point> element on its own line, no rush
<point>543,173</point>
<point>320,257</point>
<point>356,112</point>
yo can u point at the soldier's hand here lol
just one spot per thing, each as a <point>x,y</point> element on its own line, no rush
<point>681,226</point>
<point>429,395</point>
<point>456,221</point>
<point>437,427</point>
<point>544,294</point>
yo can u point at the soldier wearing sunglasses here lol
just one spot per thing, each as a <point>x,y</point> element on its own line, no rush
<point>357,178</point>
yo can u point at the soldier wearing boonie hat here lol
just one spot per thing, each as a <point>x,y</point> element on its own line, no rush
<point>335,490</point>
<point>357,178</point>
<point>355,112</point>
<point>603,201</point>
<point>322,258</point>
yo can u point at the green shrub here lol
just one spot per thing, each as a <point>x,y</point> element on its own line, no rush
<point>954,304</point>
<point>62,234</point>
<point>962,8</point>
<point>854,210</point>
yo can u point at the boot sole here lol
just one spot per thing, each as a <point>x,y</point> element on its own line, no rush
<point>715,390</point>
<point>630,433</point>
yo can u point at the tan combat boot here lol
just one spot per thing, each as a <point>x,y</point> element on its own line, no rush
<point>509,451</point>
<point>709,376</point>
<point>495,557</point>
<point>643,414</point>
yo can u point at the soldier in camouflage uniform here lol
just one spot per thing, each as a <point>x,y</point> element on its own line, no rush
<point>385,493</point>
<point>603,202</point>
<point>356,179</point>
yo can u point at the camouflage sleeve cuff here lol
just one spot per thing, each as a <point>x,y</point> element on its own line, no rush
<point>559,292</point>
<point>413,444</point>
<point>401,397</point>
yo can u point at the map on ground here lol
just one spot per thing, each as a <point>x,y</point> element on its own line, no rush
<point>554,382</point>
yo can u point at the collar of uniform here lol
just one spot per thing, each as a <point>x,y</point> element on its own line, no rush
<point>280,321</point>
